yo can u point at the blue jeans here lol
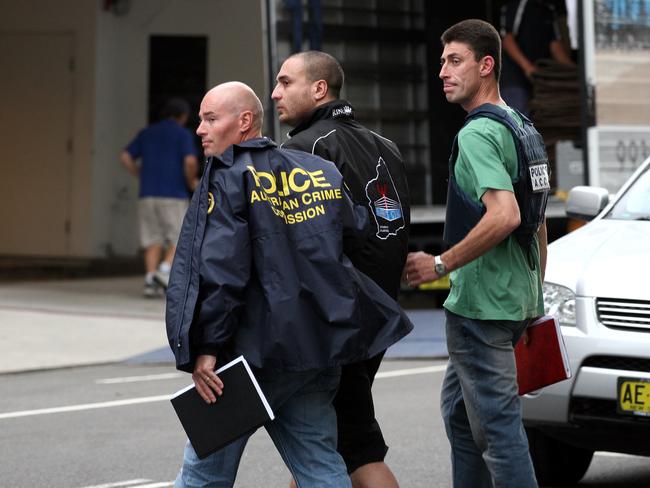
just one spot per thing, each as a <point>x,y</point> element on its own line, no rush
<point>481,408</point>
<point>303,431</point>
<point>315,27</point>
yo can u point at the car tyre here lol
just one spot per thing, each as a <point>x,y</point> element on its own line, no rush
<point>555,462</point>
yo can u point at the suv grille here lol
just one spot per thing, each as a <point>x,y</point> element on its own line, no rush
<point>589,409</point>
<point>618,362</point>
<point>593,407</point>
<point>618,313</point>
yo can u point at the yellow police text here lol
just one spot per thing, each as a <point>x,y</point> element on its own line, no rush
<point>297,180</point>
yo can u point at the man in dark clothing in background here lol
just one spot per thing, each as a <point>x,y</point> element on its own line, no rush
<point>169,167</point>
<point>529,32</point>
<point>307,98</point>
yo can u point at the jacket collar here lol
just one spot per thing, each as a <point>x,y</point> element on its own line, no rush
<point>228,156</point>
<point>337,109</point>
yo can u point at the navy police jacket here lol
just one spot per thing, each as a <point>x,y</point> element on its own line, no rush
<point>260,268</point>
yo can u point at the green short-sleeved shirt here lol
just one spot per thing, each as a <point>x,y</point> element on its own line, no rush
<point>500,285</point>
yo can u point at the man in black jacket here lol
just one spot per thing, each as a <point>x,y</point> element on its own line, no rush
<point>307,98</point>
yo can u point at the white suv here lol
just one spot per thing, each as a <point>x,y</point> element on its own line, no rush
<point>598,285</point>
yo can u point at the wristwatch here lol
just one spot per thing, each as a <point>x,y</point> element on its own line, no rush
<point>439,266</point>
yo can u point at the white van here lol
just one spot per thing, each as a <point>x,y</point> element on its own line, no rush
<point>598,285</point>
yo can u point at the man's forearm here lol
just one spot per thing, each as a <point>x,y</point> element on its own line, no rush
<point>511,47</point>
<point>191,169</point>
<point>128,162</point>
<point>493,228</point>
<point>559,54</point>
<point>500,219</point>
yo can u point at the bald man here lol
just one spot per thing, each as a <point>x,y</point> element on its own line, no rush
<point>260,271</point>
<point>230,113</point>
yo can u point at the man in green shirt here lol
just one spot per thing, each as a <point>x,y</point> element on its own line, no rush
<point>496,282</point>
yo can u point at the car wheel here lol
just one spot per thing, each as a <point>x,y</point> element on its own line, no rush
<point>555,462</point>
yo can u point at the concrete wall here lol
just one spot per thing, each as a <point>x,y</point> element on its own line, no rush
<point>110,92</point>
<point>76,17</point>
<point>235,51</point>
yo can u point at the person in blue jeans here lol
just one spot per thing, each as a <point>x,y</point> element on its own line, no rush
<point>304,432</point>
<point>261,271</point>
<point>496,281</point>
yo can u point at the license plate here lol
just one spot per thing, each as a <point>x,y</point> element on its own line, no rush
<point>539,177</point>
<point>633,396</point>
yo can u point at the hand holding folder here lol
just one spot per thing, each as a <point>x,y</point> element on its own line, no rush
<point>208,385</point>
<point>541,356</point>
<point>241,408</point>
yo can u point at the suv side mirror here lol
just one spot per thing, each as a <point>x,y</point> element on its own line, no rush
<point>585,202</point>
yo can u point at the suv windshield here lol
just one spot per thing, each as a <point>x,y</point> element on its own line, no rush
<point>635,203</point>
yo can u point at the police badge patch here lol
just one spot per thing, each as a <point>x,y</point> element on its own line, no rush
<point>210,202</point>
<point>384,202</point>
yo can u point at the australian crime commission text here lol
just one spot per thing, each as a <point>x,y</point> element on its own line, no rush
<point>287,193</point>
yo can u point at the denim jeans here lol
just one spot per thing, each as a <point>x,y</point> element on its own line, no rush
<point>481,408</point>
<point>303,431</point>
<point>315,24</point>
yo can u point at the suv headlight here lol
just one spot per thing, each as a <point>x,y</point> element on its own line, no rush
<point>561,302</point>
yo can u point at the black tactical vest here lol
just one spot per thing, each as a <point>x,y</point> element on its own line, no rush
<point>531,185</point>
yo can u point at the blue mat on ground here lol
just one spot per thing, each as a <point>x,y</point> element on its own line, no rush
<point>162,355</point>
<point>427,340</point>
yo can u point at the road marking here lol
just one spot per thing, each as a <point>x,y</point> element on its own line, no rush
<point>618,454</point>
<point>163,398</point>
<point>85,406</point>
<point>168,376</point>
<point>407,372</point>
<point>134,379</point>
<point>162,484</point>
<point>119,483</point>
<point>82,313</point>
<point>134,484</point>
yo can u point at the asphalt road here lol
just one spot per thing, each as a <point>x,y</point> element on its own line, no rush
<point>112,426</point>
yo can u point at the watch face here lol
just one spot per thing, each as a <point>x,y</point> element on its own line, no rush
<point>439,266</point>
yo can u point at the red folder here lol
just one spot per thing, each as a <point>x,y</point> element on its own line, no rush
<point>541,356</point>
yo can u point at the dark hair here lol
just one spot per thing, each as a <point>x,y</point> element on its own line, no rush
<point>480,36</point>
<point>175,107</point>
<point>322,66</point>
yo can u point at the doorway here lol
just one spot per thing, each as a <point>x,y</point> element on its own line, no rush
<point>36,96</point>
<point>177,68</point>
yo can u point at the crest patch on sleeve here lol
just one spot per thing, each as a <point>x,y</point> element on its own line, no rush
<point>210,202</point>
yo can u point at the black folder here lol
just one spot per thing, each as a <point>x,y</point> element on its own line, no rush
<point>240,410</point>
